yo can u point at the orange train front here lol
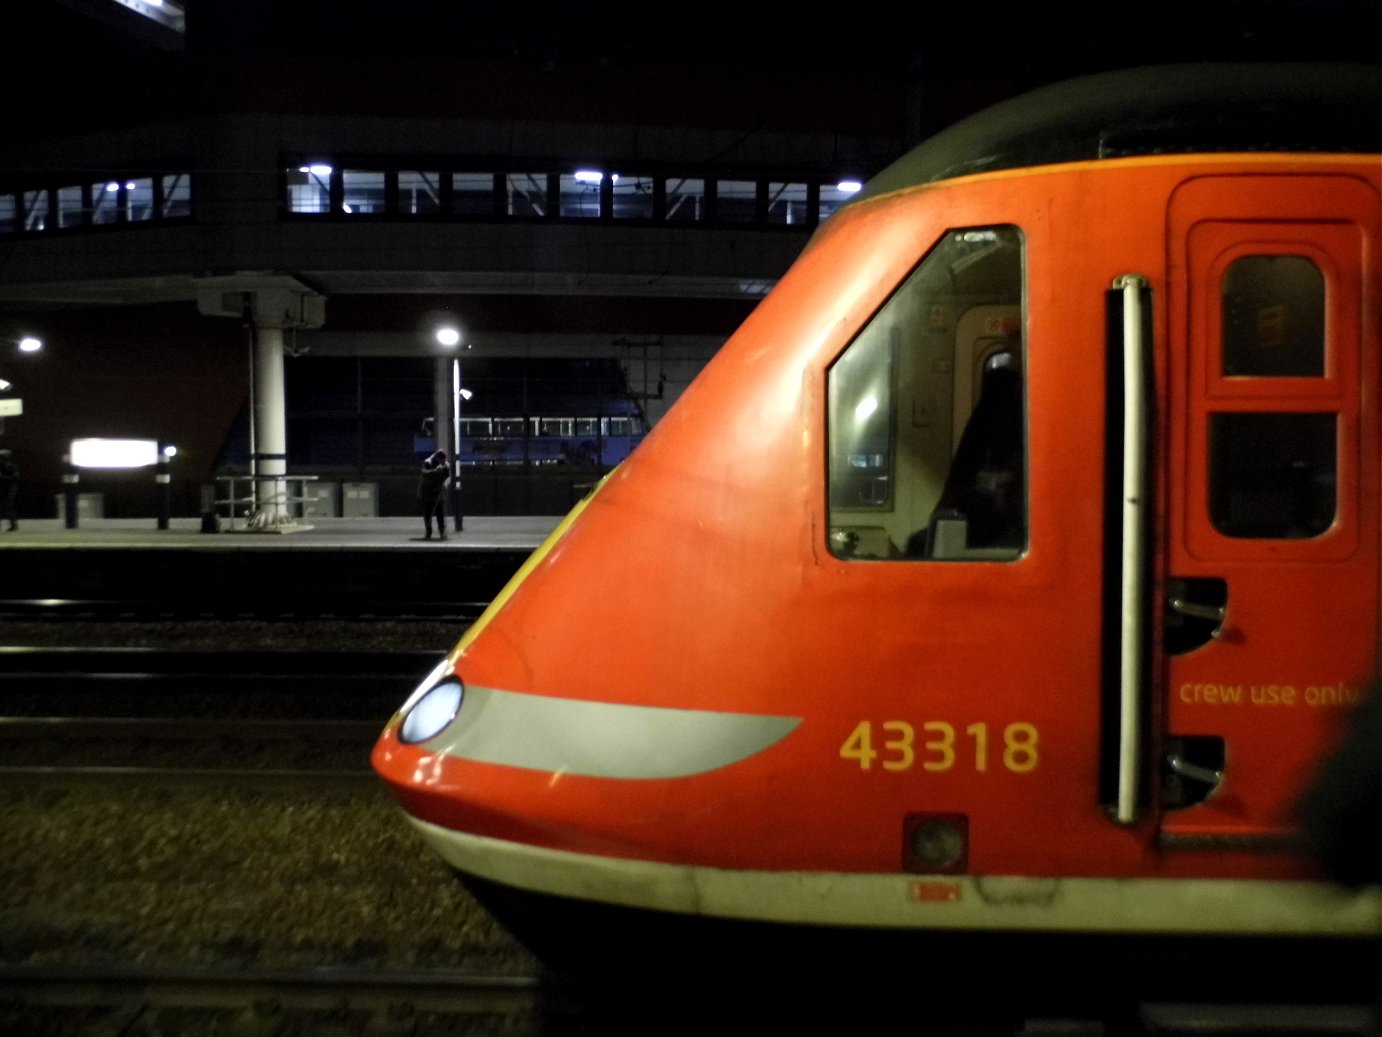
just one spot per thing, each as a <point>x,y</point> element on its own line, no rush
<point>1007,572</point>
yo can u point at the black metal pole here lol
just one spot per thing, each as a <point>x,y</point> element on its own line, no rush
<point>457,517</point>
<point>70,479</point>
<point>163,483</point>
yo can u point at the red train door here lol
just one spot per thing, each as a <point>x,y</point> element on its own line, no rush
<point>1270,468</point>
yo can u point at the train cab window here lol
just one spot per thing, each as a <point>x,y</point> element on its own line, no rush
<point>926,415</point>
<point>1271,475</point>
<point>1273,470</point>
<point>1273,317</point>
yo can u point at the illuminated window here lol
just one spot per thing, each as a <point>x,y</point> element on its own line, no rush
<point>309,188</point>
<point>8,221</point>
<point>35,210</point>
<point>70,208</point>
<point>419,193</point>
<point>736,201</point>
<point>787,203</point>
<point>105,202</point>
<point>633,197</point>
<point>363,192</point>
<point>139,199</point>
<point>177,195</point>
<point>685,199</point>
<point>835,195</point>
<point>526,194</point>
<point>472,194</point>
<point>579,193</point>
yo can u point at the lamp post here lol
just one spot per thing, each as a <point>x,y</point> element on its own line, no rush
<point>458,394</point>
<point>163,481</point>
<point>448,336</point>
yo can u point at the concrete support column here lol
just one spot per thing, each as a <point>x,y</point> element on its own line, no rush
<point>270,428</point>
<point>266,304</point>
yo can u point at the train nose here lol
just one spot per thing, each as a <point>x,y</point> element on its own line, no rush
<point>432,706</point>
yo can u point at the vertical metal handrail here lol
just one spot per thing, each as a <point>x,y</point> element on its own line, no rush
<point>1132,639</point>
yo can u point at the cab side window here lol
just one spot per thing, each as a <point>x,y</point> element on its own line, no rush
<point>926,415</point>
<point>1272,470</point>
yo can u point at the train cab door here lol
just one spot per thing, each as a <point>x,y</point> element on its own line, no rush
<point>1270,522</point>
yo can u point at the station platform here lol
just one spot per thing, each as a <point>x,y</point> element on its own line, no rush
<point>483,532</point>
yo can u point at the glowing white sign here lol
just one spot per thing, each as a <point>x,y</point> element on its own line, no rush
<point>114,453</point>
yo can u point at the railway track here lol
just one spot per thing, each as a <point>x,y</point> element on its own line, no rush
<point>162,609</point>
<point>210,582</point>
<point>345,1002</point>
<point>148,714</point>
<point>202,1002</point>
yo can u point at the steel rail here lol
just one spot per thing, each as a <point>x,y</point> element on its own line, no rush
<point>96,609</point>
<point>272,662</point>
<point>181,776</point>
<point>190,727</point>
<point>432,1001</point>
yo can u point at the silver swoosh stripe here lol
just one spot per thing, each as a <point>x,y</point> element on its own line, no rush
<point>602,739</point>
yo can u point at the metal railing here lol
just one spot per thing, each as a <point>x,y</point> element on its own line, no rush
<point>265,508</point>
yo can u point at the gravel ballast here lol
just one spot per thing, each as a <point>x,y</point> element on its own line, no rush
<point>212,874</point>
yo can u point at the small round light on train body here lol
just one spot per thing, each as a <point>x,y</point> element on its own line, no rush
<point>430,714</point>
<point>939,844</point>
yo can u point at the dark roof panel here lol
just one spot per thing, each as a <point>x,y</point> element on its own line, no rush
<point>1163,109</point>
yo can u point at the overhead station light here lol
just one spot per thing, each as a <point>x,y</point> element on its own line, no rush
<point>167,13</point>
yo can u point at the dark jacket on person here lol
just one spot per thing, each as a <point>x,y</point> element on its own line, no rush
<point>9,478</point>
<point>435,476</point>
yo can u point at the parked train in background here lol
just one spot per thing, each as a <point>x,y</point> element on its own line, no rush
<point>998,586</point>
<point>540,440</point>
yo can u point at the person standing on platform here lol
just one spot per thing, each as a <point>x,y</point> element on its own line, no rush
<point>431,493</point>
<point>9,490</point>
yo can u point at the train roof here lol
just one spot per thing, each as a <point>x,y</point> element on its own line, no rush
<point>1158,109</point>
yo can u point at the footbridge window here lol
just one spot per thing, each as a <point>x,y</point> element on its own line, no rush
<point>926,413</point>
<point>64,205</point>
<point>320,186</point>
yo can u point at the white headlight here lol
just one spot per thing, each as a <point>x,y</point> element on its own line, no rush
<point>431,713</point>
